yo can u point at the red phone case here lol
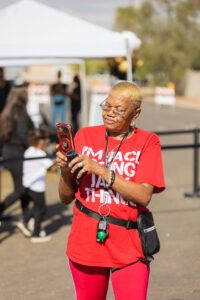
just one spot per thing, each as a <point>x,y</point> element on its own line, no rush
<point>65,136</point>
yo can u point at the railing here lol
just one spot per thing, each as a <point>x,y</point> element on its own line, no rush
<point>195,146</point>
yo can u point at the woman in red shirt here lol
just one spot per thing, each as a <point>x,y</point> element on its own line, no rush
<point>122,168</point>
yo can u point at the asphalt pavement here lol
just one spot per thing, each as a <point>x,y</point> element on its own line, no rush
<point>40,271</point>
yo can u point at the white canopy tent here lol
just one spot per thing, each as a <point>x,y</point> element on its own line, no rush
<point>32,33</point>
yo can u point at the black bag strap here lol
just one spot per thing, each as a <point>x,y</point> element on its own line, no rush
<point>128,224</point>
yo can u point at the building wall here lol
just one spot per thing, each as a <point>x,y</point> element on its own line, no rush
<point>192,84</point>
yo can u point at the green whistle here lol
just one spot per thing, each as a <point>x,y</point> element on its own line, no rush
<point>101,236</point>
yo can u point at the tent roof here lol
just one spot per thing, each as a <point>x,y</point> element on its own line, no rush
<point>30,29</point>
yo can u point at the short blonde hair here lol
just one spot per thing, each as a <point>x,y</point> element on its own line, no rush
<point>128,90</point>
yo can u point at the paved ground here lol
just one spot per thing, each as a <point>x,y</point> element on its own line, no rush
<point>35,272</point>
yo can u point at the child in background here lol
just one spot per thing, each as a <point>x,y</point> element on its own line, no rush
<point>34,173</point>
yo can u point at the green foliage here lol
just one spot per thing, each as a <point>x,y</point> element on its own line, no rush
<point>126,17</point>
<point>170,34</point>
<point>93,66</point>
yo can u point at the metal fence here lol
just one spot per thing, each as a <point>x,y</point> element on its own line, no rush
<point>195,146</point>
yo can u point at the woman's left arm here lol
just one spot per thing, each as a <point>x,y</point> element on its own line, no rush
<point>139,193</point>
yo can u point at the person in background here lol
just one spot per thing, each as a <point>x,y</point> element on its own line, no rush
<point>75,99</point>
<point>123,168</point>
<point>15,123</point>
<point>34,173</point>
<point>59,101</point>
<point>5,87</point>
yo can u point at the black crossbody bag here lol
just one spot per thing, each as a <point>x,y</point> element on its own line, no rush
<point>148,235</point>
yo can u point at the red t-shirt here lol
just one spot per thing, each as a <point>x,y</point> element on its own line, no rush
<point>138,160</point>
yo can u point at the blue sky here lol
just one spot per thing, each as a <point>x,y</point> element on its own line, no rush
<point>100,12</point>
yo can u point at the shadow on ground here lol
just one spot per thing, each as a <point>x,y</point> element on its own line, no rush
<point>56,217</point>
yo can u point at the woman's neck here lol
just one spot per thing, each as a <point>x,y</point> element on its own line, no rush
<point>119,136</point>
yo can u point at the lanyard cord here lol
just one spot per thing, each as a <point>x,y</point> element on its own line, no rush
<point>108,164</point>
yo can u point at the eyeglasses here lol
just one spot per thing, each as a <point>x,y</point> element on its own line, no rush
<point>117,112</point>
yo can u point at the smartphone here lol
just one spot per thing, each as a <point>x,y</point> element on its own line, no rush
<point>65,136</point>
<point>66,142</point>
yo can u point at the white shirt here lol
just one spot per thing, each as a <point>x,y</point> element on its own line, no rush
<point>34,171</point>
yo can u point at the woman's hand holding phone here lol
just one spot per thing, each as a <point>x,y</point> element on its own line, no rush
<point>61,158</point>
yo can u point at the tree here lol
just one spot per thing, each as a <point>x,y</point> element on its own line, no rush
<point>170,32</point>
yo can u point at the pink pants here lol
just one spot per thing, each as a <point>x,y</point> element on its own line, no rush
<point>129,283</point>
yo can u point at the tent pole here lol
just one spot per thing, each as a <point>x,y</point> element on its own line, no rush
<point>129,61</point>
<point>84,106</point>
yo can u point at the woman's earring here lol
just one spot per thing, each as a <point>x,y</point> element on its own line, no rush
<point>133,123</point>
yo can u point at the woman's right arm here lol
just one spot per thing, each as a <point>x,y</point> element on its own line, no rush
<point>65,188</point>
